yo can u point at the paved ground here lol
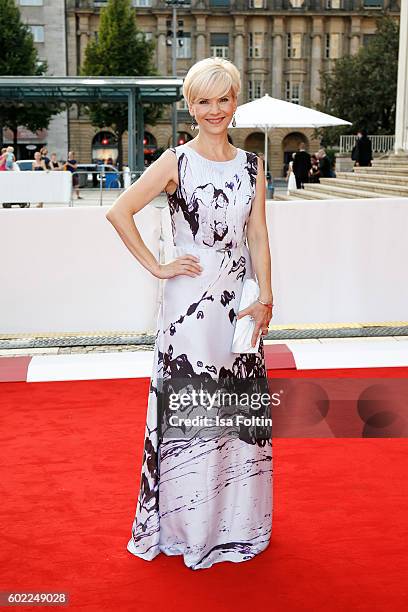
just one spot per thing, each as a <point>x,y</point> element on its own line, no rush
<point>108,348</point>
<point>146,343</point>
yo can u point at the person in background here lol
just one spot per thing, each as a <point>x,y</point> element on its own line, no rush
<point>10,159</point>
<point>44,156</point>
<point>315,170</point>
<point>3,157</point>
<point>71,165</point>
<point>290,176</point>
<point>38,165</point>
<point>54,163</point>
<point>324,163</point>
<point>301,166</point>
<point>362,152</point>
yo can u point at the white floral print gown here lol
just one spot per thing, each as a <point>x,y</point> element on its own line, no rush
<point>205,493</point>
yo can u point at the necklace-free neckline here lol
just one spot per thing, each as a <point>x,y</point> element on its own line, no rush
<point>215,161</point>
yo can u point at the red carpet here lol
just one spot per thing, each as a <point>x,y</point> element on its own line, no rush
<point>71,454</point>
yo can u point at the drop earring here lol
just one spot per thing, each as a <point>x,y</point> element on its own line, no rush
<point>234,123</point>
<point>193,123</point>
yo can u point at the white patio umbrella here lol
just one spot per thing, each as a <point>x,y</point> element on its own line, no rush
<point>267,113</point>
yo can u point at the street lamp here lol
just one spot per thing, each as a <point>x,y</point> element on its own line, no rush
<point>172,35</point>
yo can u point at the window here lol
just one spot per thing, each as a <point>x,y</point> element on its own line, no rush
<point>293,92</point>
<point>219,52</point>
<point>294,45</point>
<point>104,148</point>
<point>141,3</point>
<point>332,46</point>
<point>327,46</point>
<point>367,38</point>
<point>255,88</point>
<point>335,44</point>
<point>333,4</point>
<point>297,45</point>
<point>255,44</point>
<point>257,4</point>
<point>184,46</point>
<point>145,35</point>
<point>104,139</point>
<point>219,45</point>
<point>37,32</point>
<point>289,45</point>
<point>31,2</point>
<point>373,3</point>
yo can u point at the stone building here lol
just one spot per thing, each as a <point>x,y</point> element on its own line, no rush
<point>46,19</point>
<point>279,47</point>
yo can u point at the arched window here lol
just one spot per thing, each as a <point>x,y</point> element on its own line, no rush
<point>183,137</point>
<point>149,143</point>
<point>105,148</point>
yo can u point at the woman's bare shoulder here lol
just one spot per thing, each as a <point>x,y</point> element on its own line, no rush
<point>170,167</point>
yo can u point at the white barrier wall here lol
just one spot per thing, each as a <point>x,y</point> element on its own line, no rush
<point>339,260</point>
<point>67,270</point>
<point>336,261</point>
<point>32,186</point>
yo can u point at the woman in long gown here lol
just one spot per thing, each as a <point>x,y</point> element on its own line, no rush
<point>290,177</point>
<point>206,487</point>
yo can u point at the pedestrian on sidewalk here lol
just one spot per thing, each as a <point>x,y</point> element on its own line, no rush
<point>39,165</point>
<point>71,165</point>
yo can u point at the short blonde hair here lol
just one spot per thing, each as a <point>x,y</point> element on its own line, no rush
<point>211,77</point>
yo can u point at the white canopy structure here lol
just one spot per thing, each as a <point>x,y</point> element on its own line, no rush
<point>267,113</point>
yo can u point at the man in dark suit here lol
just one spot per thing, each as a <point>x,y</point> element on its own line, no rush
<point>301,166</point>
<point>362,152</point>
<point>324,163</point>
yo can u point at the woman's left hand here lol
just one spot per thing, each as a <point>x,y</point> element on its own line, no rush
<point>262,316</point>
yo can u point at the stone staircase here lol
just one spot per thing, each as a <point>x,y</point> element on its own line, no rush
<point>386,178</point>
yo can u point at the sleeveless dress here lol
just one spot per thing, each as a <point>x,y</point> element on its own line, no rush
<point>205,493</point>
<point>292,179</point>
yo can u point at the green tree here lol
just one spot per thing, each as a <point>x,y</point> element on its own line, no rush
<point>18,57</point>
<point>121,49</point>
<point>362,88</point>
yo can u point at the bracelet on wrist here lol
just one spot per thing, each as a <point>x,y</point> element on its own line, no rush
<point>269,304</point>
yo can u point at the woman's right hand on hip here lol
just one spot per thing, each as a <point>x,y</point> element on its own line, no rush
<point>184,264</point>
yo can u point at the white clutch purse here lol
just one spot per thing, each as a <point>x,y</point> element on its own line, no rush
<point>244,327</point>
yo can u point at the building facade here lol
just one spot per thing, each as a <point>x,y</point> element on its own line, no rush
<point>279,47</point>
<point>46,20</point>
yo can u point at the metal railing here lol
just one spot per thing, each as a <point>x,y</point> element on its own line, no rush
<point>91,183</point>
<point>102,181</point>
<point>381,143</point>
